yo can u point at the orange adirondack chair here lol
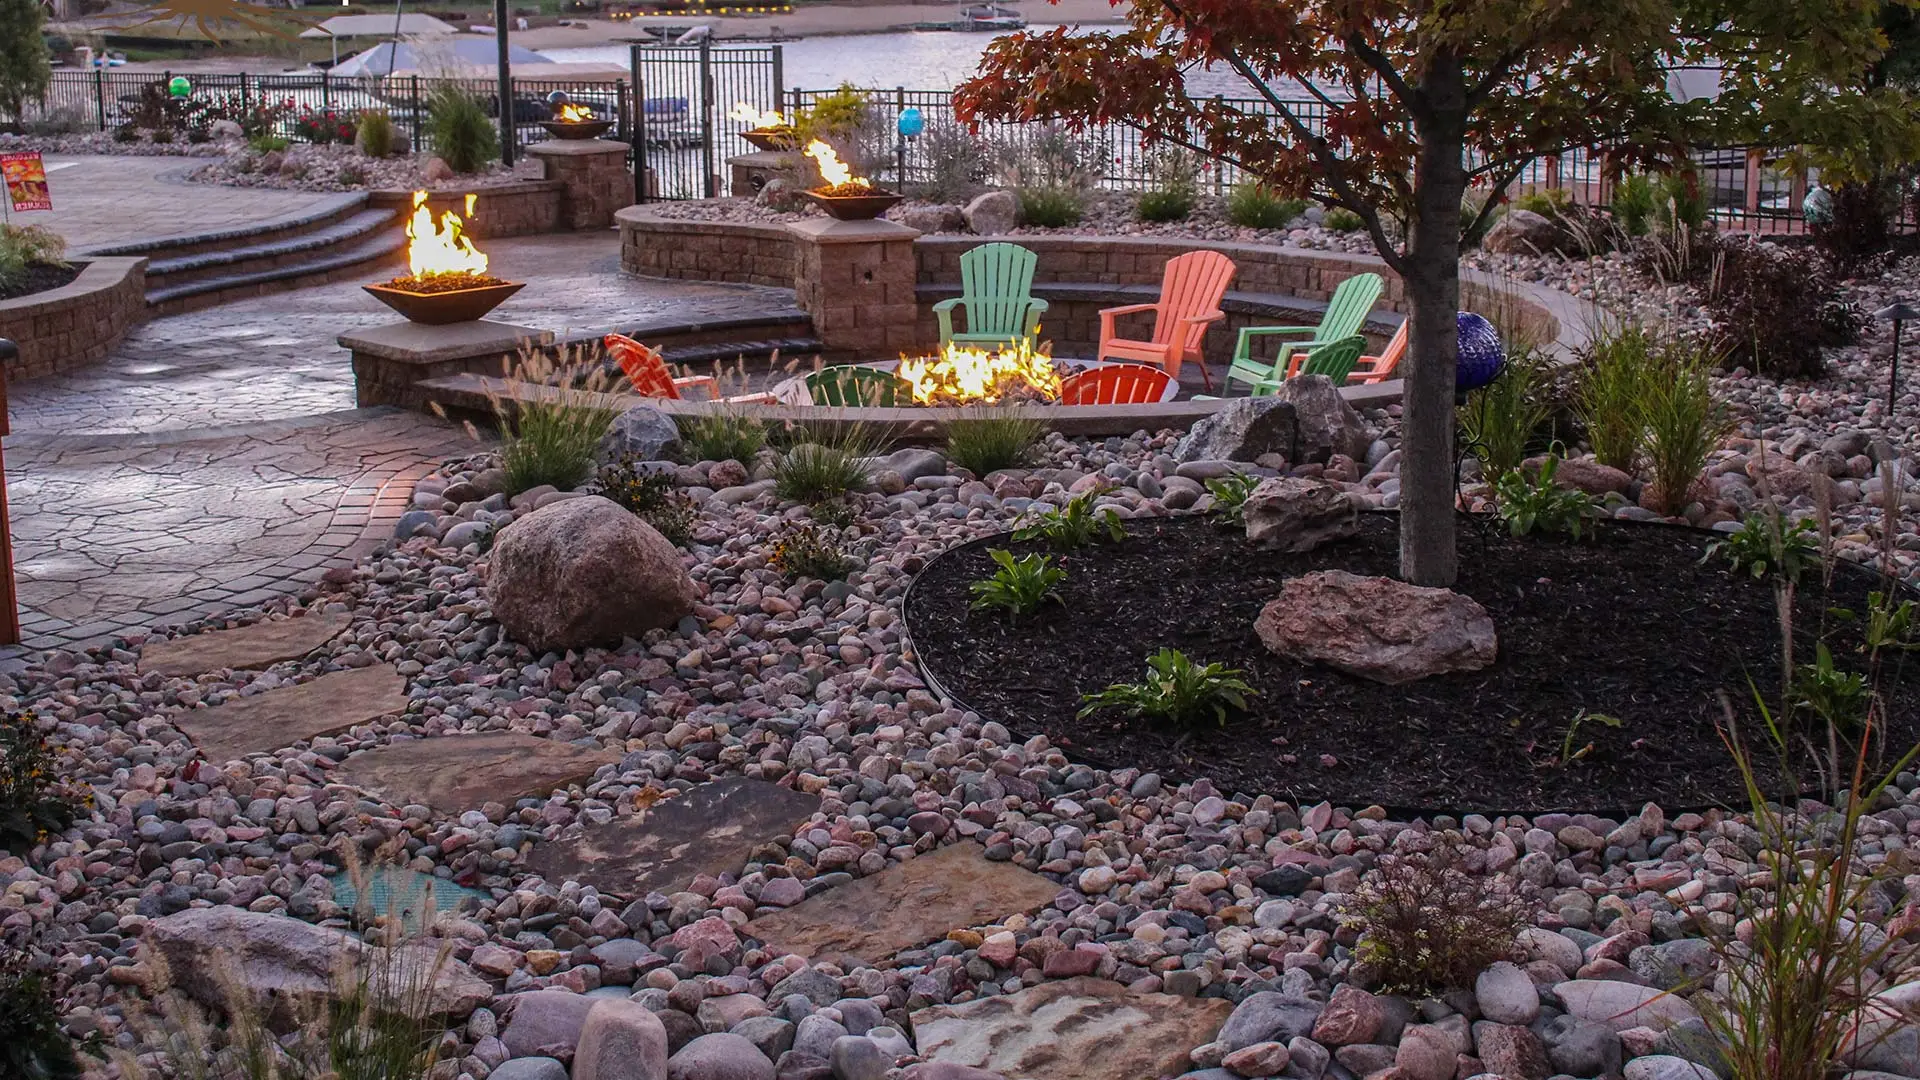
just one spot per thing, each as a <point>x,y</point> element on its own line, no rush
<point>648,372</point>
<point>1115,384</point>
<point>1373,369</point>
<point>1190,295</point>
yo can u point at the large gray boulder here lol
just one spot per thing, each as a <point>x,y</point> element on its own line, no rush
<point>1290,514</point>
<point>643,433</point>
<point>289,969</point>
<point>1325,424</point>
<point>621,1040</point>
<point>1242,430</point>
<point>1376,627</point>
<point>1523,232</point>
<point>994,213</point>
<point>585,572</point>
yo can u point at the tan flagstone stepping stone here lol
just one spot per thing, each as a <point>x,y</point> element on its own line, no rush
<point>253,646</point>
<point>283,716</point>
<point>711,828</point>
<point>1074,1029</point>
<point>456,773</point>
<point>906,905</point>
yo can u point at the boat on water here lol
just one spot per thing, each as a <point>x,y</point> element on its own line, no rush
<point>989,17</point>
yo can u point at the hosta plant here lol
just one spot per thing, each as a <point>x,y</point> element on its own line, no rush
<point>1020,586</point>
<point>1176,690</point>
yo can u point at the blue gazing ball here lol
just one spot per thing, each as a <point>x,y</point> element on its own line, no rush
<point>1481,357</point>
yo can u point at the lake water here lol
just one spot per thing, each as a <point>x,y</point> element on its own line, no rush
<point>931,60</point>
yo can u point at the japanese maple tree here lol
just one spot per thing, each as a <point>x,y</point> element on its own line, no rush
<point>1419,100</point>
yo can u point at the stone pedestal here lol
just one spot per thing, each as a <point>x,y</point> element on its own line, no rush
<point>856,279</point>
<point>593,177</point>
<point>748,173</point>
<point>390,363</point>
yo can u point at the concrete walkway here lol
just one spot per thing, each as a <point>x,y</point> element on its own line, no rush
<point>98,201</point>
<point>216,460</point>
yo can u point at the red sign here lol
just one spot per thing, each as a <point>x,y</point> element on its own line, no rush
<point>26,179</point>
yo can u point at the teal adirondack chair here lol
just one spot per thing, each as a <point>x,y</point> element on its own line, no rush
<point>1348,309</point>
<point>1334,359</point>
<point>996,288</point>
<point>848,384</point>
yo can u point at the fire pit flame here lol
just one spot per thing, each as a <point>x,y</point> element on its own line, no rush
<point>574,114</point>
<point>835,172</point>
<point>761,120</point>
<point>964,376</point>
<point>442,247</point>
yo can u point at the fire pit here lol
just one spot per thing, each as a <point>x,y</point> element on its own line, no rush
<point>844,195</point>
<point>572,121</point>
<point>964,376</point>
<point>447,280</point>
<point>770,131</point>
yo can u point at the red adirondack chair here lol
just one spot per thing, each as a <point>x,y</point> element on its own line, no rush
<point>1190,296</point>
<point>1115,384</point>
<point>1373,369</point>
<point>648,372</point>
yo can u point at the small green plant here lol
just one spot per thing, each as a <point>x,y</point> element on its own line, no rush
<point>825,467</point>
<point>1176,690</point>
<point>650,496</point>
<point>35,801</point>
<point>810,551</point>
<point>1050,206</point>
<point>1251,206</point>
<point>1610,399</point>
<point>1073,526</point>
<point>721,436</point>
<point>1548,203</point>
<point>1541,505</point>
<point>1341,220</point>
<point>1501,420</point>
<point>1568,755</point>
<point>268,144</point>
<point>992,440</point>
<point>32,1046</point>
<point>22,246</point>
<point>374,134</point>
<point>1428,922</point>
<point>1889,625</point>
<point>1230,494</point>
<point>1174,192</point>
<point>834,513</point>
<point>1635,200</point>
<point>1165,204</point>
<point>1020,586</point>
<point>459,129</point>
<point>1685,421</point>
<point>1830,694</point>
<point>1761,546</point>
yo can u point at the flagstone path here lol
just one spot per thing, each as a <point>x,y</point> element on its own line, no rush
<point>264,722</point>
<point>456,773</point>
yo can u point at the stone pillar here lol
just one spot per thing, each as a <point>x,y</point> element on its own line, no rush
<point>593,177</point>
<point>751,172</point>
<point>856,278</point>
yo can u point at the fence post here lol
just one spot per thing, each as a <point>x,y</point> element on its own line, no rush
<point>779,75</point>
<point>1553,172</point>
<point>899,140</point>
<point>100,96</point>
<point>1797,191</point>
<point>415,80</point>
<point>326,91</point>
<point>706,118</point>
<point>640,192</point>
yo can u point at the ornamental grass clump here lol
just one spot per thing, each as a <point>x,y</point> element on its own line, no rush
<point>1430,921</point>
<point>1252,206</point>
<point>1616,375</point>
<point>721,435</point>
<point>1501,421</point>
<point>821,467</point>
<point>551,414</point>
<point>1685,422</point>
<point>990,440</point>
<point>1176,690</point>
<point>459,129</point>
<point>375,135</point>
<point>25,246</point>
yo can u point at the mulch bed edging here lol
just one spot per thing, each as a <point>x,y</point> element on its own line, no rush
<point>1404,748</point>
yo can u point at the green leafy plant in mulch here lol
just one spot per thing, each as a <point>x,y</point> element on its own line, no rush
<point>1176,690</point>
<point>1230,494</point>
<point>1540,504</point>
<point>1074,525</point>
<point>1020,586</point>
<point>1764,545</point>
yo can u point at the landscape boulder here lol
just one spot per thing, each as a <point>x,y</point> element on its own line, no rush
<point>1324,424</point>
<point>1377,628</point>
<point>1581,474</point>
<point>934,219</point>
<point>291,968</point>
<point>1294,515</point>
<point>1242,430</point>
<point>993,213</point>
<point>585,572</point>
<point>1523,232</point>
<point>642,432</point>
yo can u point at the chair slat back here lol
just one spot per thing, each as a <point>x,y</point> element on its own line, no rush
<point>644,368</point>
<point>1194,283</point>
<point>1347,310</point>
<point>1389,357</point>
<point>850,385</point>
<point>1115,384</point>
<point>996,281</point>
<point>1336,359</point>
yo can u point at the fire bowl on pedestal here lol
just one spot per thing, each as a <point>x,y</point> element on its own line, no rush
<point>863,207</point>
<point>447,305</point>
<point>769,138</point>
<point>577,129</point>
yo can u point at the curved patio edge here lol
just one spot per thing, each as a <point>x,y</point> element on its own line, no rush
<point>78,323</point>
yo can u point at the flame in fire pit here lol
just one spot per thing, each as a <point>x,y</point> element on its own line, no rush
<point>443,247</point>
<point>760,120</point>
<point>963,376</point>
<point>574,114</point>
<point>834,171</point>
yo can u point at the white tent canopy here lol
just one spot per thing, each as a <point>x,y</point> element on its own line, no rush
<point>349,26</point>
<point>446,56</point>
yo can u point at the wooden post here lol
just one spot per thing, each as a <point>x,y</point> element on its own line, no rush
<point>1755,157</point>
<point>1553,171</point>
<point>9,599</point>
<point>1797,193</point>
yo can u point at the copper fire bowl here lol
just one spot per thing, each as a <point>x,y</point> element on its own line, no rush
<point>577,129</point>
<point>855,207</point>
<point>441,308</point>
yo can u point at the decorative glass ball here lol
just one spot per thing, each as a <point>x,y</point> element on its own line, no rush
<point>1481,357</point>
<point>178,86</point>
<point>559,98</point>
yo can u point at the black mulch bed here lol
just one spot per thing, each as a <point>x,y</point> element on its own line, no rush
<point>39,278</point>
<point>1630,625</point>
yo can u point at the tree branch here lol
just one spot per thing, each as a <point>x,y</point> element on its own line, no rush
<point>1493,202</point>
<point>1377,60</point>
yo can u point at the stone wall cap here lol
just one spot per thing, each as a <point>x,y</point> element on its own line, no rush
<point>96,275</point>
<point>826,230</point>
<point>418,343</point>
<point>577,148</point>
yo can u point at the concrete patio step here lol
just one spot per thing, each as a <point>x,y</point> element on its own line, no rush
<point>327,212</point>
<point>331,263</point>
<point>295,250</point>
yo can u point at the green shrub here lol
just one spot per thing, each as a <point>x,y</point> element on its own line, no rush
<point>1343,220</point>
<point>825,467</point>
<point>1541,505</point>
<point>1174,192</point>
<point>1547,202</point>
<point>1775,308</point>
<point>1230,494</point>
<point>22,246</point>
<point>32,1046</point>
<point>1165,205</point>
<point>1019,586</point>
<point>991,440</point>
<point>1176,690</point>
<point>650,496</point>
<point>1610,397</point>
<point>1683,202</point>
<point>1685,422</point>
<point>459,129</point>
<point>1050,206</point>
<point>268,144</point>
<point>35,800</point>
<point>1636,200</point>
<point>1251,206</point>
<point>812,551</point>
<point>1428,923</point>
<point>1073,526</point>
<point>375,135</point>
<point>1830,694</point>
<point>1501,420</point>
<point>721,436</point>
<point>1761,547</point>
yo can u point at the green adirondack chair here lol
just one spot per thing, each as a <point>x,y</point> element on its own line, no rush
<point>1348,309</point>
<point>996,288</point>
<point>849,384</point>
<point>1334,359</point>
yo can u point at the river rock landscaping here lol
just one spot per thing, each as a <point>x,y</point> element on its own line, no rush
<point>752,842</point>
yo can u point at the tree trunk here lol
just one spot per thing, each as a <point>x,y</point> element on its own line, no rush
<point>1432,281</point>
